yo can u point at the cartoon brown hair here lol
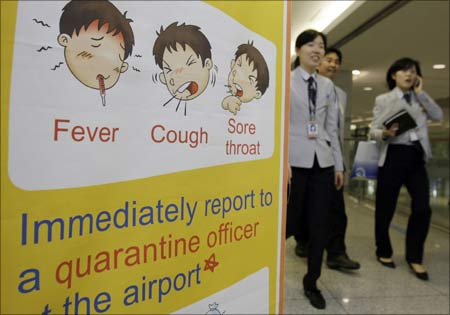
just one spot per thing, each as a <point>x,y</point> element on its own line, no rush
<point>81,13</point>
<point>184,35</point>
<point>259,64</point>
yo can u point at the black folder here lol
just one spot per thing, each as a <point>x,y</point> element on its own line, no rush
<point>404,120</point>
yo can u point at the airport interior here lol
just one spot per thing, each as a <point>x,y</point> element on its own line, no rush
<point>371,35</point>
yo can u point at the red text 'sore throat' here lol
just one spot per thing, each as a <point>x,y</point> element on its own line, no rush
<point>101,87</point>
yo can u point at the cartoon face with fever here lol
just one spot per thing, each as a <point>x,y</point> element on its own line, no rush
<point>97,39</point>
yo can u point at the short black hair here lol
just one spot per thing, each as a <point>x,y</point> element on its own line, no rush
<point>336,51</point>
<point>401,64</point>
<point>306,37</point>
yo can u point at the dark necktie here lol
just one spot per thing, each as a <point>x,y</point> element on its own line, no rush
<point>312,91</point>
<point>407,97</point>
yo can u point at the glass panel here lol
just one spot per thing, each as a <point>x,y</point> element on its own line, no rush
<point>438,173</point>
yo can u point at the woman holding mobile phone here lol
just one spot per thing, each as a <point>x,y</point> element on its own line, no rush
<point>402,162</point>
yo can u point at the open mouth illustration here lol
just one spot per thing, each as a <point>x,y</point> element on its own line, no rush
<point>190,86</point>
<point>239,91</point>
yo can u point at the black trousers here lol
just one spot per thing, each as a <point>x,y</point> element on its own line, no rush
<point>404,165</point>
<point>311,193</point>
<point>337,227</point>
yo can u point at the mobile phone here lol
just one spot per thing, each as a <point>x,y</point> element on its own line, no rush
<point>417,83</point>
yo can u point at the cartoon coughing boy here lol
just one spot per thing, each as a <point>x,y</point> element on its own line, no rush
<point>183,53</point>
<point>97,39</point>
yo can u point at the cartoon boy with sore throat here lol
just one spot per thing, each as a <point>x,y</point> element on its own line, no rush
<point>97,39</point>
<point>183,53</point>
<point>248,78</point>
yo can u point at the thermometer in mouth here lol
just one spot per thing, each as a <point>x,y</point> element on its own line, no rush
<point>101,87</point>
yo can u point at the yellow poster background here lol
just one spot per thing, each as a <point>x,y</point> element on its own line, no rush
<point>32,267</point>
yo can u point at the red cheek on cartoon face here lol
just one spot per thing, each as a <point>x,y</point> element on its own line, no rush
<point>120,38</point>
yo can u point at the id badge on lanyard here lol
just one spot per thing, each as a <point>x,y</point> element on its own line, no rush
<point>313,130</point>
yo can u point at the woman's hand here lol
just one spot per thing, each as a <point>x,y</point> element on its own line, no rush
<point>418,86</point>
<point>289,174</point>
<point>389,133</point>
<point>339,180</point>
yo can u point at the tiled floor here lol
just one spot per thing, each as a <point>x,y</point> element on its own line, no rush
<point>373,289</point>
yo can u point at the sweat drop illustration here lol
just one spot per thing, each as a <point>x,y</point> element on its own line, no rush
<point>248,78</point>
<point>97,39</point>
<point>183,53</point>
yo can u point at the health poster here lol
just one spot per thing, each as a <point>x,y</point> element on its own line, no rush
<point>142,156</point>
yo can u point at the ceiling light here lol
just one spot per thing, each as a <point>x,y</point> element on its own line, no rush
<point>345,300</point>
<point>352,127</point>
<point>329,11</point>
<point>368,88</point>
<point>319,15</point>
<point>439,66</point>
<point>356,72</point>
